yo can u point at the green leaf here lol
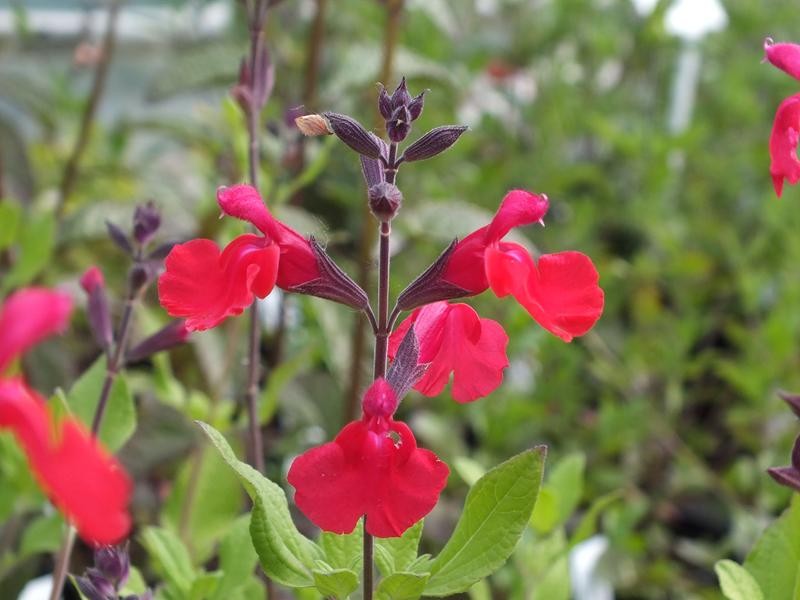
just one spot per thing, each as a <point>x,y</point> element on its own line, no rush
<point>588,523</point>
<point>170,557</point>
<point>736,582</point>
<point>216,501</point>
<point>344,551</point>
<point>550,568</point>
<point>135,585</point>
<point>119,419</point>
<point>285,555</point>
<point>774,561</point>
<point>545,514</point>
<point>204,585</point>
<point>396,554</point>
<point>339,583</point>
<point>402,586</point>
<point>44,534</point>
<point>35,241</point>
<point>497,510</point>
<point>480,591</point>
<point>10,215</point>
<point>566,481</point>
<point>237,559</point>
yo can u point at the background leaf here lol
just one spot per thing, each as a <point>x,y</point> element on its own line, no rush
<point>119,418</point>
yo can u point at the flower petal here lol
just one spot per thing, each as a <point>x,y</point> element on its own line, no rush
<point>783,144</point>
<point>518,208</point>
<point>27,317</point>
<point>366,472</point>
<point>82,480</point>
<point>205,287</point>
<point>465,266</point>
<point>785,56</point>
<point>561,293</point>
<point>456,341</point>
<point>410,488</point>
<point>298,263</point>
<point>244,202</point>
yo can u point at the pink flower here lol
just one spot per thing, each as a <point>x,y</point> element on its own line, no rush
<point>373,468</point>
<point>82,480</point>
<point>455,341</point>
<point>784,164</point>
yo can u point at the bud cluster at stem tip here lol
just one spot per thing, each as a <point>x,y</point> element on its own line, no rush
<point>399,110</point>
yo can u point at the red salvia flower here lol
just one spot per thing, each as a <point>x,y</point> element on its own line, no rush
<point>453,339</point>
<point>82,480</point>
<point>27,317</point>
<point>372,468</point>
<point>784,164</point>
<point>783,55</point>
<point>205,285</point>
<point>87,484</point>
<point>561,293</point>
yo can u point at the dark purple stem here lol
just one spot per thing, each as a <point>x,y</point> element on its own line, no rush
<point>381,344</point>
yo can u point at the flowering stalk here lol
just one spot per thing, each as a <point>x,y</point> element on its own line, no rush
<point>394,10</point>
<point>145,223</point>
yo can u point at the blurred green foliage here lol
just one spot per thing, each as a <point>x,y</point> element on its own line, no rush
<point>668,405</point>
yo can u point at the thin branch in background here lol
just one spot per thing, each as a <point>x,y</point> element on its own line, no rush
<point>2,178</point>
<point>70,174</point>
<point>256,17</point>
<point>314,56</point>
<point>391,34</point>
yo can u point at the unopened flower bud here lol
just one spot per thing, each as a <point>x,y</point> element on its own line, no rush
<point>97,307</point>
<point>416,105</point>
<point>313,125</point>
<point>793,400</point>
<point>146,221</point>
<point>434,142</point>
<point>400,96</point>
<point>114,563</point>
<point>352,133</point>
<point>242,91</point>
<point>263,78</point>
<point>138,277</point>
<point>385,200</point>
<point>95,587</point>
<point>165,338</point>
<point>384,104</point>
<point>789,476</point>
<point>399,125</point>
<point>119,238</point>
<point>379,400</point>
